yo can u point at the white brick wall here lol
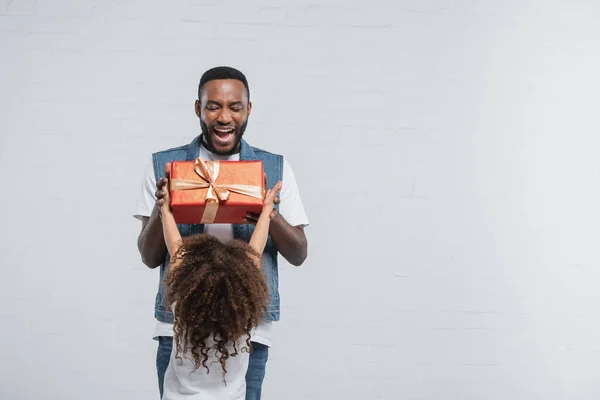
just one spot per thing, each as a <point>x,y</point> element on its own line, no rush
<point>447,157</point>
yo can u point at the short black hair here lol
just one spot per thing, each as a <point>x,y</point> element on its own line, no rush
<point>222,73</point>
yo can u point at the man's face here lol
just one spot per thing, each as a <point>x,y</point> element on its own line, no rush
<point>223,110</point>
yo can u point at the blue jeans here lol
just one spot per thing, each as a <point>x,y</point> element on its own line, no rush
<point>163,355</point>
<point>256,370</point>
<point>254,376</point>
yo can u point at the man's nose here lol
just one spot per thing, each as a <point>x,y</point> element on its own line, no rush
<point>224,116</point>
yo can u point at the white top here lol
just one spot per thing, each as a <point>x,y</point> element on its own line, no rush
<point>184,381</point>
<point>290,208</point>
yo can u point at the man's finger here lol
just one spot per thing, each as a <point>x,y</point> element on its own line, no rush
<point>251,218</point>
<point>161,182</point>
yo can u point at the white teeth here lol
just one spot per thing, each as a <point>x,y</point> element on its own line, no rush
<point>222,131</point>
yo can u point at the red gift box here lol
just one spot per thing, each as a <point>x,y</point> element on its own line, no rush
<point>219,192</point>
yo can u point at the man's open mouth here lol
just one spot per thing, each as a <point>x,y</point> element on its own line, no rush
<point>223,135</point>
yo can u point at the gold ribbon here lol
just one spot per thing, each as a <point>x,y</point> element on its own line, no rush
<point>208,172</point>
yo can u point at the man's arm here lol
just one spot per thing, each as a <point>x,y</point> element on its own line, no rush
<point>290,240</point>
<point>151,241</point>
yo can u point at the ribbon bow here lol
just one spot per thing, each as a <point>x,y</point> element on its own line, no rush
<point>208,172</point>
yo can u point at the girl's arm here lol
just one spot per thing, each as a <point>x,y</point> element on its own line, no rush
<point>170,231</point>
<point>261,231</point>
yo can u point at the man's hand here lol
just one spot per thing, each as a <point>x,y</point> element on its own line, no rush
<point>163,200</point>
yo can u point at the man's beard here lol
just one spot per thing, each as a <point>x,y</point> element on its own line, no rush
<point>207,139</point>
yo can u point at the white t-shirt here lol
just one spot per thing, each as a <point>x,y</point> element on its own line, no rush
<point>290,208</point>
<point>183,381</point>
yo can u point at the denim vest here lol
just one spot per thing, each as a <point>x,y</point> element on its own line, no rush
<point>273,167</point>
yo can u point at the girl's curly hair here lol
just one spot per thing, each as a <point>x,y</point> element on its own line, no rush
<point>219,293</point>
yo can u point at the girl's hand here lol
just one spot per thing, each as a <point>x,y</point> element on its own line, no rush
<point>270,200</point>
<point>271,197</point>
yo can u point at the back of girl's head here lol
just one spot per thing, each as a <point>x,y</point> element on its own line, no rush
<point>219,294</point>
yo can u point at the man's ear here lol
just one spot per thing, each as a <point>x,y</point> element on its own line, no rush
<point>198,108</point>
<point>249,107</point>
